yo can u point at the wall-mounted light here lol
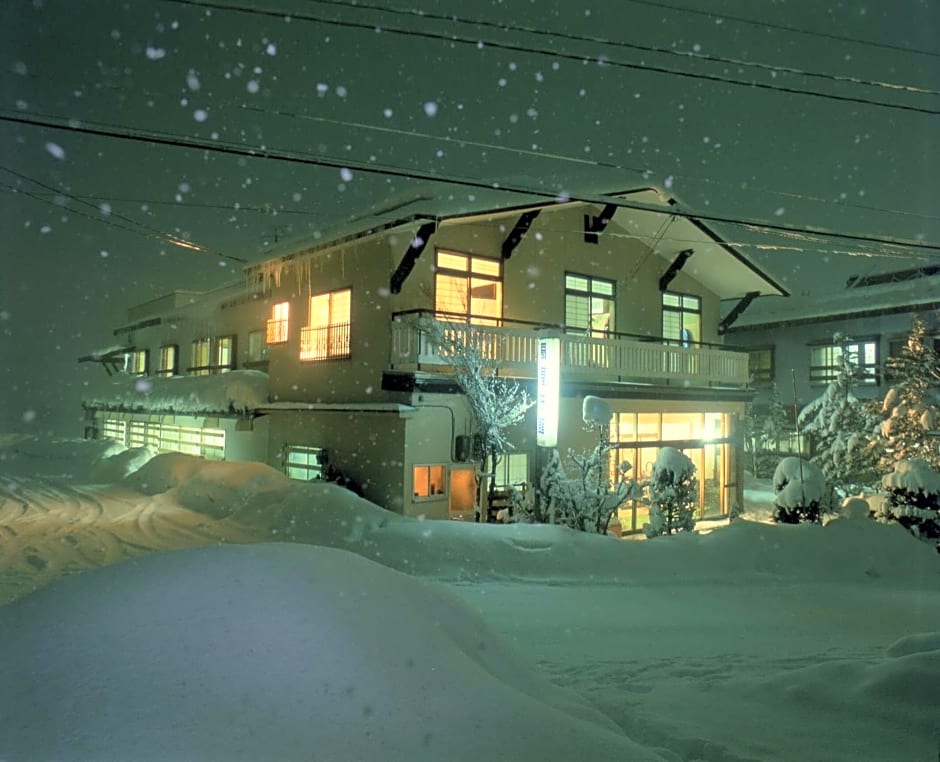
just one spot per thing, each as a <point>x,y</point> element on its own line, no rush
<point>548,389</point>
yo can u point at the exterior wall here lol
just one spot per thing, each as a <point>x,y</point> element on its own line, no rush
<point>791,345</point>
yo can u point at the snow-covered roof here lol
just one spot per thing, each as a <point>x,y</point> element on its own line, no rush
<point>237,391</point>
<point>917,295</point>
<point>646,213</point>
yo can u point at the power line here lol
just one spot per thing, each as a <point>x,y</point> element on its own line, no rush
<point>784,27</point>
<point>365,168</point>
<point>131,225</point>
<point>710,57</point>
<point>580,58</point>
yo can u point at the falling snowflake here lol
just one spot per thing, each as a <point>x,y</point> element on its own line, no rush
<point>54,149</point>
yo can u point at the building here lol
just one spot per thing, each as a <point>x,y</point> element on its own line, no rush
<point>794,344</point>
<point>315,362</point>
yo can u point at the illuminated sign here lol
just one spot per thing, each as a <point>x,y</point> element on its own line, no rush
<point>547,392</point>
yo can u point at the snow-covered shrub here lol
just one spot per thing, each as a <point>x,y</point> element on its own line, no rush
<point>673,491</point>
<point>913,498</point>
<point>854,508</point>
<point>799,491</point>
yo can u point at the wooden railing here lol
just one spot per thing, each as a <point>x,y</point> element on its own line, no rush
<point>514,350</point>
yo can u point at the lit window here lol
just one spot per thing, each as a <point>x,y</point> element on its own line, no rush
<point>428,481</point>
<point>589,304</point>
<point>200,357</point>
<point>136,362</point>
<point>682,318</point>
<point>468,288</point>
<point>512,470</point>
<point>304,463</point>
<point>169,360</point>
<point>826,362</point>
<point>224,354</point>
<point>327,334</point>
<point>277,324</point>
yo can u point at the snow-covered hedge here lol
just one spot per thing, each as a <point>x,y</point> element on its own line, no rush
<point>799,491</point>
<point>913,498</point>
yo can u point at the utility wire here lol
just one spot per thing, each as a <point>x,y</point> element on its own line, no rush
<point>783,27</point>
<point>580,58</point>
<point>138,136</point>
<point>130,225</point>
<point>710,57</point>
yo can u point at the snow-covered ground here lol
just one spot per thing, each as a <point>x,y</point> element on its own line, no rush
<point>218,611</point>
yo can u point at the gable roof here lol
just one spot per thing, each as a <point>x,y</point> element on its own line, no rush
<point>645,213</point>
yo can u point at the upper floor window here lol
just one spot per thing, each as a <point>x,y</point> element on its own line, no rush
<point>257,347</point>
<point>169,360</point>
<point>589,304</point>
<point>826,361</point>
<point>682,318</point>
<point>760,365</point>
<point>277,324</point>
<point>224,354</point>
<point>200,357</point>
<point>327,334</point>
<point>468,288</point>
<point>137,362</point>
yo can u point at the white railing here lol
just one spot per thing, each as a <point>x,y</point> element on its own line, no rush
<point>582,357</point>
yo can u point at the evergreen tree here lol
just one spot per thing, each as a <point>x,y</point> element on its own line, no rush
<point>841,426</point>
<point>673,492</point>
<point>909,415</point>
<point>763,431</point>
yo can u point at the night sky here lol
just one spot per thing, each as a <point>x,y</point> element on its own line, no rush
<point>801,114</point>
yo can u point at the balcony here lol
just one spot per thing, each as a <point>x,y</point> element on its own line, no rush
<point>611,359</point>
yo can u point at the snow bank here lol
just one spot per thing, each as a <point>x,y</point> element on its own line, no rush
<point>89,461</point>
<point>237,391</point>
<point>275,652</point>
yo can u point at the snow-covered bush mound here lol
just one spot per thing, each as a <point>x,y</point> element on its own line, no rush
<point>913,498</point>
<point>275,651</point>
<point>799,488</point>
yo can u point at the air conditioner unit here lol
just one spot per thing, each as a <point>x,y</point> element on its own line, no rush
<point>462,447</point>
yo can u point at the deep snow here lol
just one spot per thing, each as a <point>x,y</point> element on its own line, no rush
<point>171,622</point>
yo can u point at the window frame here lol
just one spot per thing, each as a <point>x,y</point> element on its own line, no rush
<point>442,495</point>
<point>173,368</point>
<point>682,310</point>
<point>821,375</point>
<point>590,293</point>
<point>277,327</point>
<point>475,275</point>
<point>766,376</point>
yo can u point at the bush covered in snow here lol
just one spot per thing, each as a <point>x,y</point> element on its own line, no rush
<point>799,492</point>
<point>673,490</point>
<point>913,498</point>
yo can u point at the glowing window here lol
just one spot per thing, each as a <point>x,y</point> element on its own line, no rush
<point>224,354</point>
<point>429,482</point>
<point>327,335</point>
<point>136,362</point>
<point>682,318</point>
<point>200,357</point>
<point>468,288</point>
<point>169,360</point>
<point>589,304</point>
<point>277,325</point>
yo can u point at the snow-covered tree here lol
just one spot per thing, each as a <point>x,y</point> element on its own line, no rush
<point>763,432</point>
<point>673,492</point>
<point>496,402</point>
<point>800,492</point>
<point>584,496</point>
<point>911,420</point>
<point>842,427</point>
<point>913,498</point>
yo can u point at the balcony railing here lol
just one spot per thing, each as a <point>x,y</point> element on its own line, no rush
<point>589,358</point>
<point>325,343</point>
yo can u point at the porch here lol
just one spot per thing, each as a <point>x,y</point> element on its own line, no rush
<point>609,358</point>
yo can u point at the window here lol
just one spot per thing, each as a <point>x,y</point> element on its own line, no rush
<point>209,443</point>
<point>114,429</point>
<point>468,288</point>
<point>512,469</point>
<point>136,363</point>
<point>257,348</point>
<point>589,304</point>
<point>682,318</point>
<point>276,331</point>
<point>169,360</point>
<point>200,357</point>
<point>428,481</point>
<point>304,463</point>
<point>760,365</point>
<point>826,361</point>
<point>327,335</point>
<point>224,354</point>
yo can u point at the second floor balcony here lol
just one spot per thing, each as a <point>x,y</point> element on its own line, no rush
<point>512,346</point>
